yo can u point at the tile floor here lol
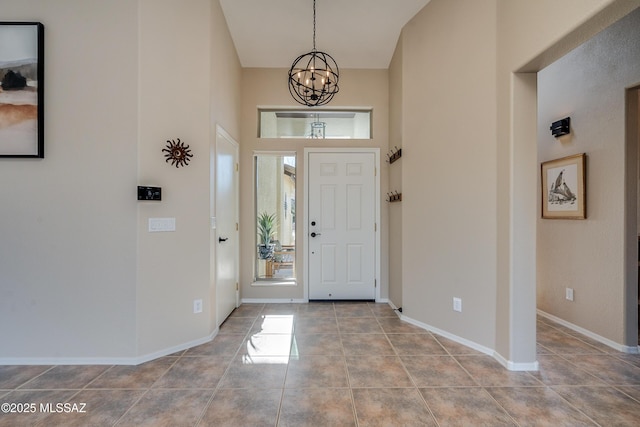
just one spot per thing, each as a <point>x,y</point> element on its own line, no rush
<point>341,364</point>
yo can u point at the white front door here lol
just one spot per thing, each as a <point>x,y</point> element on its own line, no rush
<point>342,229</point>
<point>226,236</point>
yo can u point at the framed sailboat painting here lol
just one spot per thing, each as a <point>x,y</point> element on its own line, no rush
<point>564,188</point>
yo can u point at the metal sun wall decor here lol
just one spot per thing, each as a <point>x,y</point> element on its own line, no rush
<point>177,152</point>
<point>313,77</point>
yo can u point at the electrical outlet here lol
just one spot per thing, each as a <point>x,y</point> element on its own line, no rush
<point>569,294</point>
<point>457,304</point>
<point>197,306</point>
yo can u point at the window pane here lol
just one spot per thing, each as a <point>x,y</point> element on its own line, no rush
<point>275,217</point>
<point>315,124</point>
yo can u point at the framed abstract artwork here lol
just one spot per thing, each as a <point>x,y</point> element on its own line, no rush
<point>21,89</point>
<point>564,188</point>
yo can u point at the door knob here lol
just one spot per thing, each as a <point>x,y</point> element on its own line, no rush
<point>314,234</point>
<point>222,239</point>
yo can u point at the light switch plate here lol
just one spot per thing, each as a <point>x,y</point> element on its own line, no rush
<point>162,224</point>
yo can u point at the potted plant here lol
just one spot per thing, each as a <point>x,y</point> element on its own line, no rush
<point>266,232</point>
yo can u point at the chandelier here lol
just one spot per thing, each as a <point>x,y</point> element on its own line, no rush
<point>313,77</point>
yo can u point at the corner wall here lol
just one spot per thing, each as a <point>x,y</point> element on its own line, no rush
<point>395,176</point>
<point>81,278</point>
<point>449,168</point>
<point>68,221</point>
<point>589,84</point>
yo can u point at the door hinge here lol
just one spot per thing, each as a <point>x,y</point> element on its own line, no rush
<point>375,171</point>
<point>375,226</point>
<point>237,167</point>
<point>237,226</point>
<point>375,283</point>
<point>237,286</point>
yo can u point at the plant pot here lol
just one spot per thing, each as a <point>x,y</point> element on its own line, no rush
<point>266,251</point>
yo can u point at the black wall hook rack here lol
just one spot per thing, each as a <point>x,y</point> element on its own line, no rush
<point>394,196</point>
<point>394,154</point>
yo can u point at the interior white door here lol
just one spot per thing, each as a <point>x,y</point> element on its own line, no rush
<point>341,252</point>
<point>226,225</point>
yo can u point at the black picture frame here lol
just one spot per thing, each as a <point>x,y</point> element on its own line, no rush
<point>22,89</point>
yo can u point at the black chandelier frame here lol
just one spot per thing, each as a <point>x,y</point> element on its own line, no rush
<point>313,76</point>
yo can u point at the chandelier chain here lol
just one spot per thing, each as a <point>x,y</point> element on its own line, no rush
<point>314,25</point>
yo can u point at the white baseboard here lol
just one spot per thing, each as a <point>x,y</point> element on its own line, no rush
<point>508,364</point>
<point>105,360</point>
<point>620,347</point>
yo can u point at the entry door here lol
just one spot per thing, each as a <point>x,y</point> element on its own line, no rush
<point>341,227</point>
<point>226,236</point>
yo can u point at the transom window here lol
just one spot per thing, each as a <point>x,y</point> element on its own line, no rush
<point>315,124</point>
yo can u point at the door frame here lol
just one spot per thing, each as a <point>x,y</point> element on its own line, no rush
<point>214,214</point>
<point>376,197</point>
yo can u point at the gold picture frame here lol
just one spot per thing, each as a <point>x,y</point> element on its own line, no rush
<point>564,187</point>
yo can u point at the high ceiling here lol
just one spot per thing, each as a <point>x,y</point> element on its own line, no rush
<point>357,33</point>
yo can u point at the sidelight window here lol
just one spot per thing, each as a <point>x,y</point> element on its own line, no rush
<point>275,215</point>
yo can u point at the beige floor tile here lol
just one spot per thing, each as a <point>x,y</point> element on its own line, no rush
<point>391,407</point>
<point>633,359</point>
<point>247,310</point>
<point>66,377</point>
<point>358,325</point>
<point>454,348</point>
<point>273,324</point>
<point>266,345</point>
<point>134,377</point>
<point>377,371</point>
<point>236,325</point>
<point>632,391</point>
<point>318,344</point>
<point>316,407</point>
<point>243,407</point>
<point>382,310</point>
<point>605,405</point>
<point>316,310</point>
<point>392,325</point>
<point>316,325</point>
<point>562,343</point>
<point>317,372</point>
<point>346,309</point>
<point>465,407</point>
<point>367,344</point>
<point>175,408</point>
<point>607,368</point>
<point>555,370</point>
<point>255,372</point>
<point>436,371</point>
<point>280,309</point>
<point>33,415</point>
<point>487,372</point>
<point>221,345</point>
<point>538,406</point>
<point>13,376</point>
<point>194,372</point>
<point>101,408</point>
<point>416,344</point>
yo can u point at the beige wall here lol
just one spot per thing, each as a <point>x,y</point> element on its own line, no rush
<point>81,278</point>
<point>449,168</point>
<point>68,221</point>
<point>395,176</point>
<point>468,130</point>
<point>589,84</point>
<point>266,88</point>
<point>173,268</point>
